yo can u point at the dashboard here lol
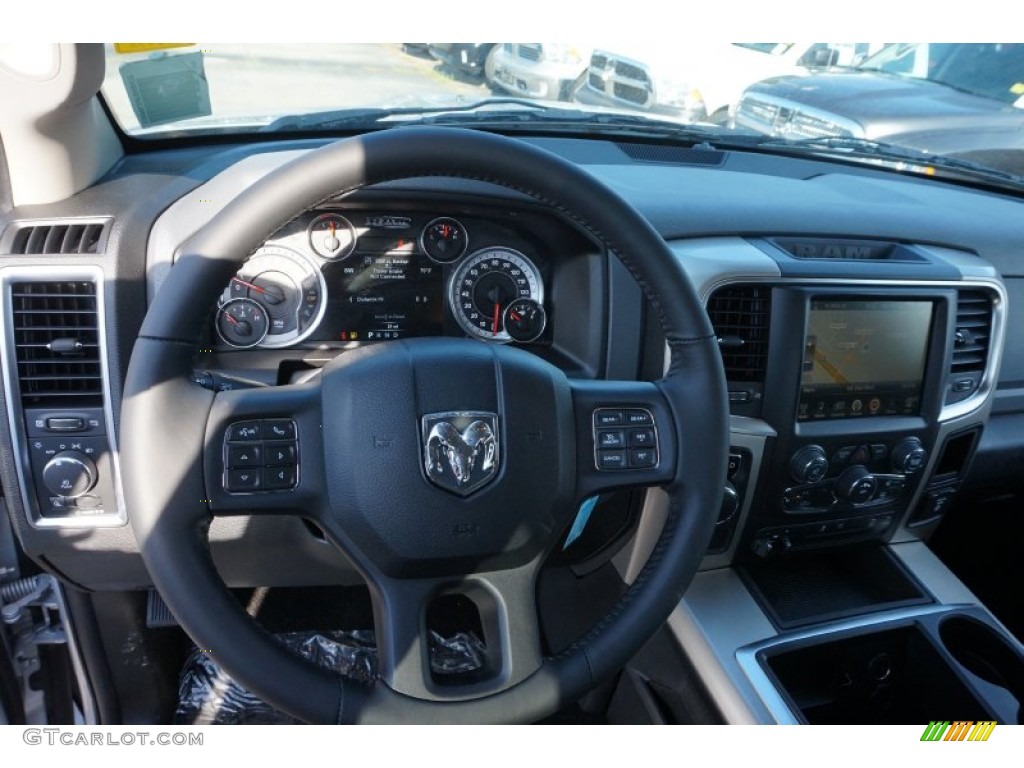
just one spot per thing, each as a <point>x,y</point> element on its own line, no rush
<point>861,318</point>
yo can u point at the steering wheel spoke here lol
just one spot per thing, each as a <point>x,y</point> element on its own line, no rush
<point>625,436</point>
<point>424,659</point>
<point>263,452</point>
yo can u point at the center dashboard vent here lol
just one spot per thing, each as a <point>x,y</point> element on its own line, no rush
<point>972,335</point>
<point>56,342</point>
<point>740,316</point>
<point>58,237</point>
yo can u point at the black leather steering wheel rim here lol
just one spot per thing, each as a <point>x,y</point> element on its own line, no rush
<point>167,491</point>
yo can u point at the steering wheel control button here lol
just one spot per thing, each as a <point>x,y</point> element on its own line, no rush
<point>244,455</point>
<point>278,478</point>
<point>607,417</point>
<point>279,454</point>
<point>642,458</point>
<point>244,431</point>
<point>640,443</point>
<point>641,438</point>
<point>636,417</point>
<point>278,429</point>
<point>611,460</point>
<point>611,438</point>
<point>247,479</point>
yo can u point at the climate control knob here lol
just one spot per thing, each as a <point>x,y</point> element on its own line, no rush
<point>856,485</point>
<point>809,464</point>
<point>908,456</point>
<point>69,474</point>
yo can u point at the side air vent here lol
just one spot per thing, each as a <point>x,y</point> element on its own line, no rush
<point>56,342</point>
<point>740,316</point>
<point>972,334</point>
<point>58,238</point>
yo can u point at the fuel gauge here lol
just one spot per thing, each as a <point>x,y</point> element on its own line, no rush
<point>242,323</point>
<point>525,320</point>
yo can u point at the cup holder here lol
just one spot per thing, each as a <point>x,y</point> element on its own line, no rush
<point>985,653</point>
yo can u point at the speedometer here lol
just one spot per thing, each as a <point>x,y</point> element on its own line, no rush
<point>485,284</point>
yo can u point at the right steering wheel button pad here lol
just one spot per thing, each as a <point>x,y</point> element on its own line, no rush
<point>260,456</point>
<point>632,443</point>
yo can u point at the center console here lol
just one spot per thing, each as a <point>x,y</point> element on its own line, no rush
<point>859,389</point>
<point>854,384</point>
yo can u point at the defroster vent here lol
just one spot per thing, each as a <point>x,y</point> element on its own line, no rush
<point>740,316</point>
<point>56,342</point>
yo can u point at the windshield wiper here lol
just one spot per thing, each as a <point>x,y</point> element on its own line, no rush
<point>851,146</point>
<point>498,114</point>
<point>367,116</point>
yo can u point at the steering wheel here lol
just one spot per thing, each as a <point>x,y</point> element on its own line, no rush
<point>386,487</point>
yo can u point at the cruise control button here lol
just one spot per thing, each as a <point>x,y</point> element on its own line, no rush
<point>244,431</point>
<point>243,456</point>
<point>642,458</point>
<point>278,429</point>
<point>243,479</point>
<point>608,418</point>
<point>611,438</point>
<point>636,417</point>
<point>641,438</point>
<point>611,459</point>
<point>278,454</point>
<point>278,478</point>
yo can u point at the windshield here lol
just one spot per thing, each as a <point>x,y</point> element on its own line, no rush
<point>992,70</point>
<point>729,92</point>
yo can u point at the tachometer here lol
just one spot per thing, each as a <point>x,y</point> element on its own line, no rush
<point>485,284</point>
<point>288,286</point>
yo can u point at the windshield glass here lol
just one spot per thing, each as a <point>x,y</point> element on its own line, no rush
<point>993,70</point>
<point>798,92</point>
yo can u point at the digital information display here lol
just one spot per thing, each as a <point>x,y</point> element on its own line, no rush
<point>386,295</point>
<point>864,358</point>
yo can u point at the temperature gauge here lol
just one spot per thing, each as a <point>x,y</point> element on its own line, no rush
<point>242,323</point>
<point>525,320</point>
<point>332,236</point>
<point>444,240</point>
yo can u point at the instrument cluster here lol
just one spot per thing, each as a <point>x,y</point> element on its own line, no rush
<point>335,276</point>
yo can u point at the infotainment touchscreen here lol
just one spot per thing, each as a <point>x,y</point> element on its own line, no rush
<point>864,358</point>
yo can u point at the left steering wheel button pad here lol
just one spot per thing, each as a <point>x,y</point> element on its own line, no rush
<point>260,456</point>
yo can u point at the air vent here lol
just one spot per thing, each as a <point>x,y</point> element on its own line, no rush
<point>740,316</point>
<point>56,343</point>
<point>59,237</point>
<point>972,332</point>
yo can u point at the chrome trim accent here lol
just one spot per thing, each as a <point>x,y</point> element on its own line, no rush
<point>989,378</point>
<point>755,443</point>
<point>12,394</point>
